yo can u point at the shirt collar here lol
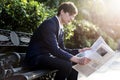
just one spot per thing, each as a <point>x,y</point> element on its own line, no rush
<point>61,26</point>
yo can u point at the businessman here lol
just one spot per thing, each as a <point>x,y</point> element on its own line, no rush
<point>46,49</point>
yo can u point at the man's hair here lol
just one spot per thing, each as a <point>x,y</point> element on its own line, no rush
<point>68,7</point>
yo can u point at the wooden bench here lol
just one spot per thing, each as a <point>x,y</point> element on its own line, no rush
<point>13,47</point>
<point>8,72</point>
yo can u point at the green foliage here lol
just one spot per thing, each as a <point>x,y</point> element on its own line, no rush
<point>84,35</point>
<point>69,30</point>
<point>52,3</point>
<point>24,15</point>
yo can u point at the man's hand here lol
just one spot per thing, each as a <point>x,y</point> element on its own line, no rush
<point>84,49</point>
<point>84,60</point>
<point>81,61</point>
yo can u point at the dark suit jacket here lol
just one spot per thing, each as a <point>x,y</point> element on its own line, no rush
<point>48,39</point>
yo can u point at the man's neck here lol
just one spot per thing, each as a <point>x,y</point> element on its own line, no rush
<point>59,20</point>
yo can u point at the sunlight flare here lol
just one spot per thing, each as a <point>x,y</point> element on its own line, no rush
<point>114,6</point>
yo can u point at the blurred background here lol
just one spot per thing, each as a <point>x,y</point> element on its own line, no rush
<point>96,18</point>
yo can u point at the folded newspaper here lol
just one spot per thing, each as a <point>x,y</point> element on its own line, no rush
<point>99,54</point>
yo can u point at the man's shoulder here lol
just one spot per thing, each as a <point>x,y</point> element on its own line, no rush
<point>51,21</point>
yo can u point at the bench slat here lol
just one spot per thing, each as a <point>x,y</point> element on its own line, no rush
<point>30,75</point>
<point>33,74</point>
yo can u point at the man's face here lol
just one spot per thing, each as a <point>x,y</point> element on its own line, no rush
<point>66,18</point>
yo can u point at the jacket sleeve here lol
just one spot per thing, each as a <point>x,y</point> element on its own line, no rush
<point>50,40</point>
<point>72,51</point>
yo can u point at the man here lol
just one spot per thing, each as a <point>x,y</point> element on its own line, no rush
<point>46,48</point>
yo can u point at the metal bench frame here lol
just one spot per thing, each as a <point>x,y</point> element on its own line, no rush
<point>20,73</point>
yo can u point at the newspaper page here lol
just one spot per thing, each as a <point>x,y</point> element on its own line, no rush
<point>99,54</point>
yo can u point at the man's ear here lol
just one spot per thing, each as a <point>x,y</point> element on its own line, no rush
<point>62,12</point>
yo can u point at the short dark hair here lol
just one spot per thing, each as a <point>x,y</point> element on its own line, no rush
<point>68,7</point>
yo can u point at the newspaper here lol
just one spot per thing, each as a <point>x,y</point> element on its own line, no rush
<point>99,54</point>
